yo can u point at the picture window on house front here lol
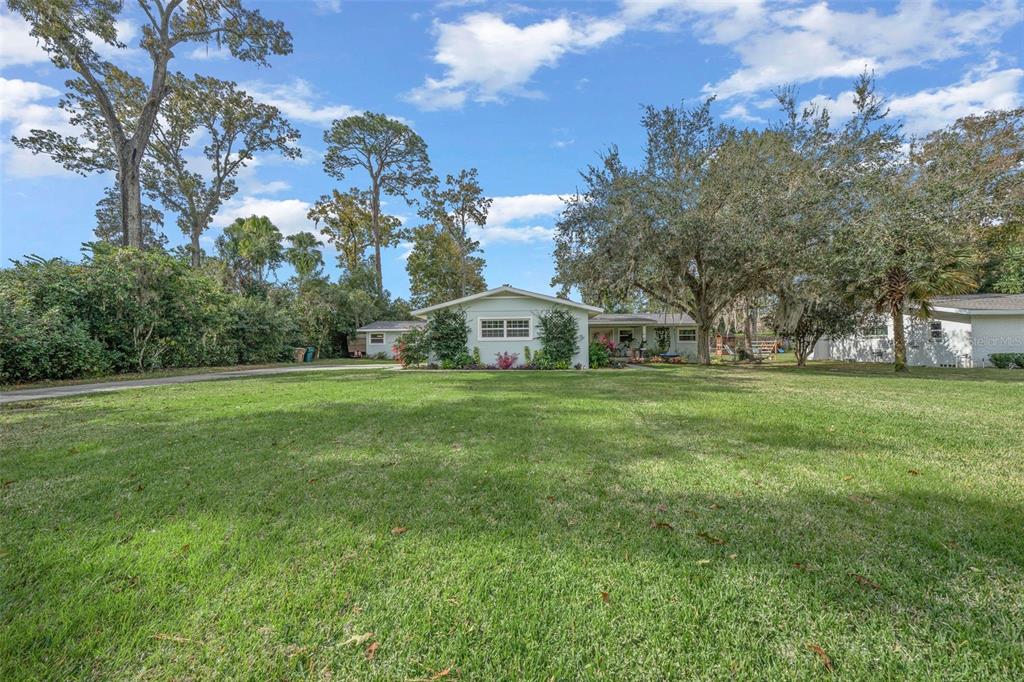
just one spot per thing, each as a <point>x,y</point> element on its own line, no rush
<point>687,334</point>
<point>377,338</point>
<point>505,329</point>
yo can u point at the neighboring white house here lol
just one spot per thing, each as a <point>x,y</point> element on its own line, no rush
<point>963,331</point>
<point>504,320</point>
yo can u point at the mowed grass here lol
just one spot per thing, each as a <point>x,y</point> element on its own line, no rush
<point>683,522</point>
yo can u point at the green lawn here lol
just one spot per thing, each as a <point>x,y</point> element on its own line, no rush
<point>682,522</point>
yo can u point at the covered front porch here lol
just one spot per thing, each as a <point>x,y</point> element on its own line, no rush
<point>642,336</point>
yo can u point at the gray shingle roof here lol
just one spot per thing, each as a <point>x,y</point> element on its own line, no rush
<point>663,319</point>
<point>392,326</point>
<point>981,301</point>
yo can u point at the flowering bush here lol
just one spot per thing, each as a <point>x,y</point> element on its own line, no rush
<point>507,360</point>
<point>607,343</point>
<point>412,348</point>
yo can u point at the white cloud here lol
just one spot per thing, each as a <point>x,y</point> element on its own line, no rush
<point>17,47</point>
<point>327,6</point>
<point>209,51</point>
<point>977,92</point>
<point>515,218</point>
<point>289,215</point>
<point>740,112</point>
<point>22,109</point>
<point>298,101</point>
<point>487,58</point>
<point>797,45</point>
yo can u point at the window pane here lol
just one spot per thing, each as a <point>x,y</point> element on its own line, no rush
<point>936,330</point>
<point>518,329</point>
<point>492,329</point>
<point>376,338</point>
<point>625,336</point>
<point>687,334</point>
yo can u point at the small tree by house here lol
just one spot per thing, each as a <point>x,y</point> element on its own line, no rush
<point>559,336</point>
<point>447,331</point>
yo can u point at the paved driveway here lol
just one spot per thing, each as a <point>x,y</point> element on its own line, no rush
<point>81,389</point>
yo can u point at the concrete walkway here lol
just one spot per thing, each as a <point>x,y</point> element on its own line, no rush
<point>82,389</point>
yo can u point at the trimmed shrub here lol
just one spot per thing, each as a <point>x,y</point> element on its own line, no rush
<point>599,355</point>
<point>1003,360</point>
<point>1019,360</point>
<point>559,335</point>
<point>461,361</point>
<point>447,332</point>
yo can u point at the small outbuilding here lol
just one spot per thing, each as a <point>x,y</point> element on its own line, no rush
<point>962,331</point>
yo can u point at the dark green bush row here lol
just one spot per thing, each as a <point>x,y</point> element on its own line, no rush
<point>1007,360</point>
<point>129,310</point>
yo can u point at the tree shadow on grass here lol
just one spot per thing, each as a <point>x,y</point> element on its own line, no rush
<point>500,497</point>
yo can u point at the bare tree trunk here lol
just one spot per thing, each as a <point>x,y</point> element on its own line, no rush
<point>196,260</point>
<point>748,331</point>
<point>899,337</point>
<point>703,340</point>
<point>131,199</point>
<point>375,215</point>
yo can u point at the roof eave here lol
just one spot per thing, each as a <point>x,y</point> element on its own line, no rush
<point>422,312</point>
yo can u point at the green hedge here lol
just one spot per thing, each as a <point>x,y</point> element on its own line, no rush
<point>1007,360</point>
<point>128,310</point>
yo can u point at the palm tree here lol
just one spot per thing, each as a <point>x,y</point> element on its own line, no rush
<point>304,255</point>
<point>904,288</point>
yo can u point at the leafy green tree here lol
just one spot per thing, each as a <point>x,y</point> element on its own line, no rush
<point>108,222</point>
<point>916,236</point>
<point>304,255</point>
<point>346,219</point>
<point>454,208</point>
<point>251,248</point>
<point>438,269</point>
<point>69,29</point>
<point>1009,274</point>
<point>392,155</point>
<point>447,332</point>
<point>692,230</point>
<point>234,128</point>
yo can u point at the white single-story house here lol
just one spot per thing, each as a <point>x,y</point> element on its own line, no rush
<point>504,320</point>
<point>963,331</point>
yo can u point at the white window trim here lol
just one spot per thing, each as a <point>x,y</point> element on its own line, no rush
<point>679,335</point>
<point>371,342</point>
<point>504,337</point>
<point>618,335</point>
<point>931,331</point>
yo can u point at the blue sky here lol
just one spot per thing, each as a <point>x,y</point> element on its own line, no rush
<point>528,93</point>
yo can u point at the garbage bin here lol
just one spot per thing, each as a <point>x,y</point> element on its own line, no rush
<point>310,352</point>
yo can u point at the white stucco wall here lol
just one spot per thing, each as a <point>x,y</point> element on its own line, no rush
<point>389,341</point>
<point>953,349</point>
<point>996,334</point>
<point>502,306</point>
